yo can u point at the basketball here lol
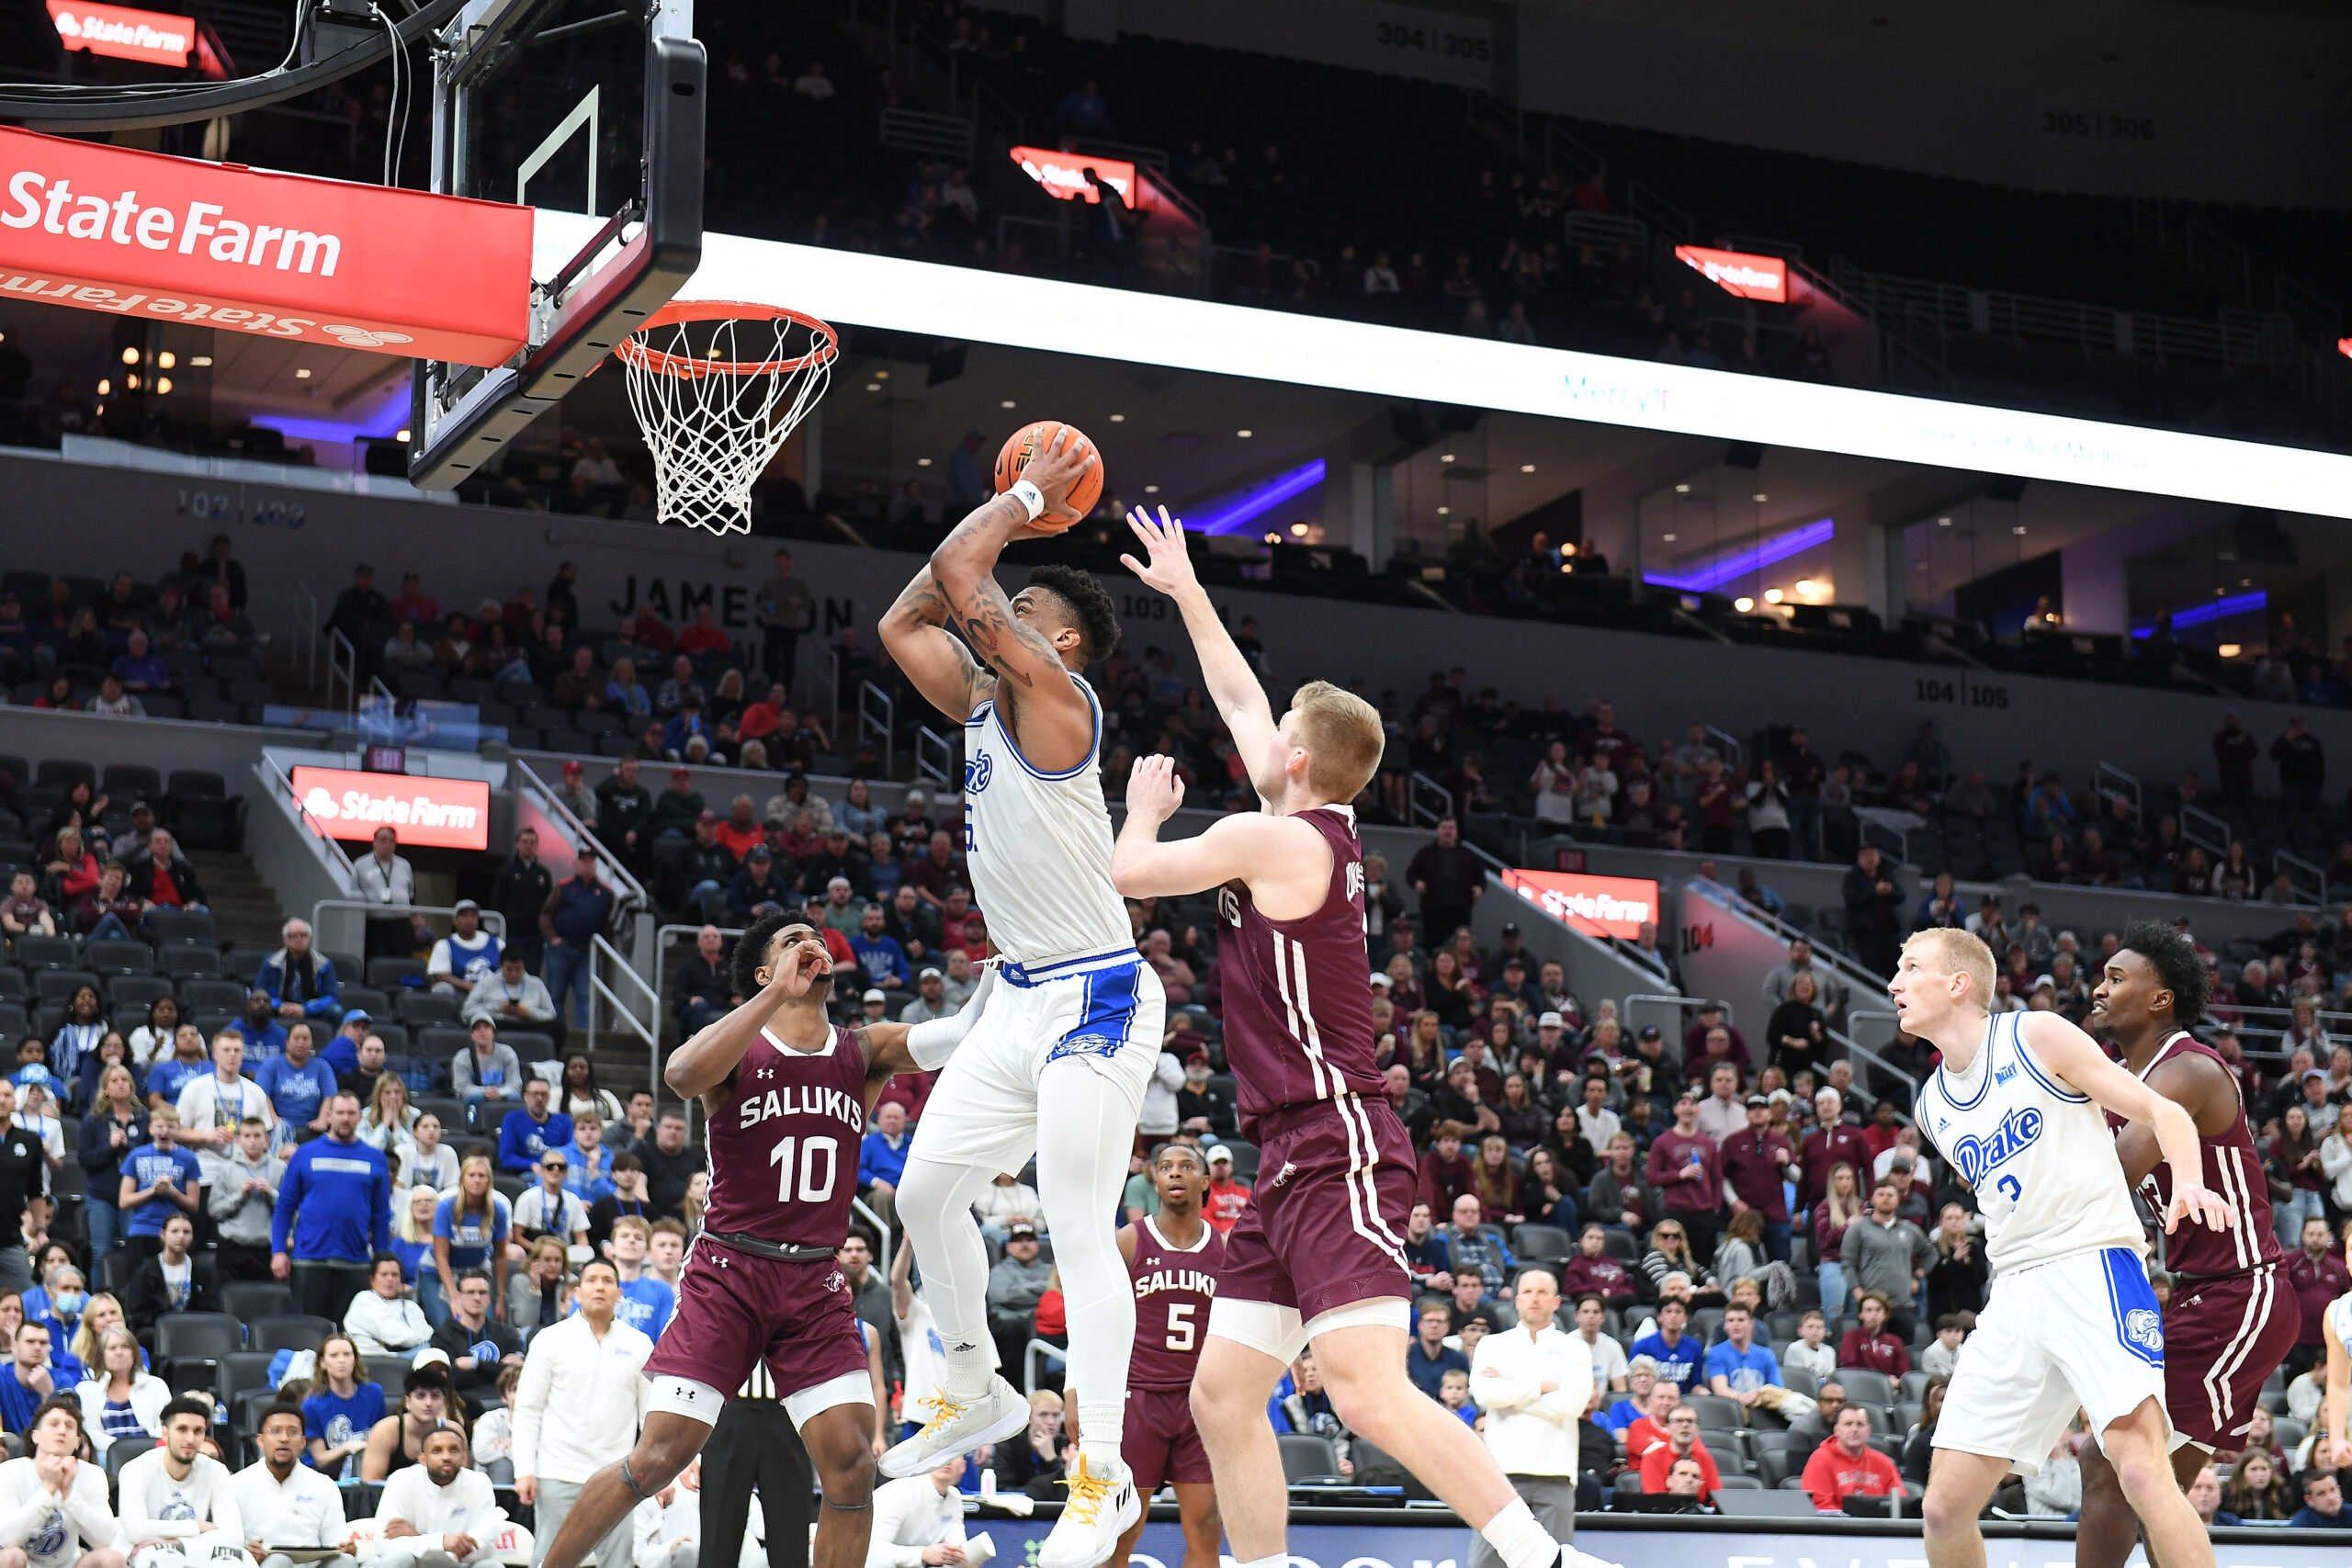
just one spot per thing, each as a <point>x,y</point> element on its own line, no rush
<point>1031,439</point>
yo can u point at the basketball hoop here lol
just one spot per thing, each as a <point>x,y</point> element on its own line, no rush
<point>717,386</point>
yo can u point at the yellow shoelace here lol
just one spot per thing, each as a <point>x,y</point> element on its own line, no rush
<point>944,1410</point>
<point>1086,1491</point>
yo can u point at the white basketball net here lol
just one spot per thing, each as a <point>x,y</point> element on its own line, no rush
<point>716,397</point>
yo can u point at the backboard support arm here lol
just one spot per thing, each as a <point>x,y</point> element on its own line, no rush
<point>460,417</point>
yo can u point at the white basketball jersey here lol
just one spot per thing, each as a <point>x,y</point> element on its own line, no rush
<point>2038,1155</point>
<point>2338,1319</point>
<point>1038,846</point>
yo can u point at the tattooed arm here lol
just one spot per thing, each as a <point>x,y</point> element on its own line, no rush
<point>942,670</point>
<point>1049,717</point>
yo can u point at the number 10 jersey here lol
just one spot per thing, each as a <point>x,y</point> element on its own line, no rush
<point>2036,1150</point>
<point>783,1148</point>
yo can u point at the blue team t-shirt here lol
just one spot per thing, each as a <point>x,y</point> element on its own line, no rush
<point>170,1074</point>
<point>145,1166</point>
<point>296,1093</point>
<point>470,1242</point>
<point>336,1420</point>
<point>17,1403</point>
<point>1677,1364</point>
<point>1758,1369</point>
<point>646,1305</point>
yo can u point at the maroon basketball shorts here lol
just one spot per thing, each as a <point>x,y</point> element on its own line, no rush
<point>2223,1338</point>
<point>1159,1442</point>
<point>737,1309</point>
<point>1324,1230</point>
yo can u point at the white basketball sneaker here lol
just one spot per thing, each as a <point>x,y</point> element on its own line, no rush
<point>954,1427</point>
<point>1102,1503</point>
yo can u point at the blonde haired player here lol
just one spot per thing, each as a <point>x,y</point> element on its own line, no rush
<point>1318,1256</point>
<point>1074,1030</point>
<point>2072,1322</point>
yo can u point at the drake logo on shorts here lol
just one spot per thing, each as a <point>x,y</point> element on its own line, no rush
<point>1976,1157</point>
<point>2144,1328</point>
<point>1086,1045</point>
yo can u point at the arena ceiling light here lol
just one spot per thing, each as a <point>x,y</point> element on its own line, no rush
<point>1231,512</point>
<point>1126,325</point>
<point>2212,610</point>
<point>1773,550</point>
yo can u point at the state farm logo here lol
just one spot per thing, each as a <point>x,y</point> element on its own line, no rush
<point>365,337</point>
<point>359,806</point>
<point>57,208</point>
<point>125,29</point>
<point>422,811</point>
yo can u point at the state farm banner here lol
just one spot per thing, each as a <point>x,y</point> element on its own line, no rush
<point>427,812</point>
<point>102,228</point>
<point>1618,905</point>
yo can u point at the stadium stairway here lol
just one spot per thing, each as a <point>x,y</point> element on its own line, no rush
<point>245,911</point>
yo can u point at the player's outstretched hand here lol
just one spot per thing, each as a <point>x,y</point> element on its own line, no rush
<point>2202,1205</point>
<point>1154,792</point>
<point>1056,470</point>
<point>1166,565</point>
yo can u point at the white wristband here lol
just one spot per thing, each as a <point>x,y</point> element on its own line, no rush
<point>1030,496</point>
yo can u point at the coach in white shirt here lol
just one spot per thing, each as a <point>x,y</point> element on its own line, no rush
<point>1533,1381</point>
<point>285,1502</point>
<point>437,1512</point>
<point>918,1523</point>
<point>588,1366</point>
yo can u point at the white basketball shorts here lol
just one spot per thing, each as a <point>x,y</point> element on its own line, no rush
<point>984,1109</point>
<point>2081,1332</point>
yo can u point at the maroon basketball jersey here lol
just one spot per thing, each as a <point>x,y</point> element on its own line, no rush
<point>784,1147</point>
<point>1298,1001</point>
<point>1173,1289</point>
<point>2233,1170</point>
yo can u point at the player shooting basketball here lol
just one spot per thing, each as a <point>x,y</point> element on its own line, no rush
<point>1075,1027</point>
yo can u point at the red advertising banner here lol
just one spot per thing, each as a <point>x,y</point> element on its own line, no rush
<point>1064,174</point>
<point>103,228</point>
<point>122,33</point>
<point>1736,271</point>
<point>450,814</point>
<point>1617,904</point>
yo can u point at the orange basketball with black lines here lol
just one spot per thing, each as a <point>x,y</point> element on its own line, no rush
<point>1031,439</point>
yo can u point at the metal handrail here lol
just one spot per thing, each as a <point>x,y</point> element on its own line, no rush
<point>661,937</point>
<point>1039,1350</point>
<point>2297,869</point>
<point>2126,787</point>
<point>598,948</point>
<point>868,696</point>
<point>1421,784</point>
<point>376,910</point>
<point>2196,819</point>
<point>1902,840</point>
<point>1734,752</point>
<point>929,743</point>
<point>272,774</point>
<point>1849,973</point>
<point>831,667</point>
<point>625,881</point>
<point>311,636</point>
<point>1855,1048</point>
<point>342,660</point>
<point>858,1209</point>
<point>1679,1004</point>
